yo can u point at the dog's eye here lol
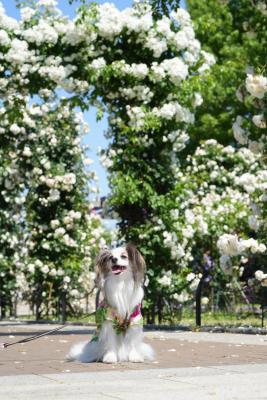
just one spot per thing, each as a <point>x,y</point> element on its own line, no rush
<point>123,256</point>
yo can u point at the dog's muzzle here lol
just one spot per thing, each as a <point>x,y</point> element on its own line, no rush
<point>118,269</point>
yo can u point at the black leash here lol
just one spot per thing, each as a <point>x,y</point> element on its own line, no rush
<point>29,339</point>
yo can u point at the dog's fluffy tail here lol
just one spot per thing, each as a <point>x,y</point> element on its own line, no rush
<point>85,352</point>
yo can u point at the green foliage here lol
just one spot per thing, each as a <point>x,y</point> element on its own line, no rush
<point>218,30</point>
<point>163,7</point>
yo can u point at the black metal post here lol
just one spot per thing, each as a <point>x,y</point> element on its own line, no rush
<point>198,303</point>
<point>64,306</point>
<point>263,303</point>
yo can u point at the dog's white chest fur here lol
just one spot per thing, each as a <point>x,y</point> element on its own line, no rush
<point>122,295</point>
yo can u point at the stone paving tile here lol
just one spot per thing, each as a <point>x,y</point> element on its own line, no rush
<point>240,382</point>
<point>47,355</point>
<point>232,338</point>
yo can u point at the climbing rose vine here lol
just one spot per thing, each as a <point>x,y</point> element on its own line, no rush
<point>144,73</point>
<point>249,130</point>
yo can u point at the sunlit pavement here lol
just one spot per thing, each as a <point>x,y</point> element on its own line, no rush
<point>188,365</point>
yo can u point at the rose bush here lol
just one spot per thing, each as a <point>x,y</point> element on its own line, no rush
<point>138,68</point>
<point>204,204</point>
<point>145,70</point>
<point>249,129</point>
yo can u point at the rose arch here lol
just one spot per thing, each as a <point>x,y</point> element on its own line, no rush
<point>144,72</point>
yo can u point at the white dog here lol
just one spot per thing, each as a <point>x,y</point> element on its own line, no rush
<point>119,335</point>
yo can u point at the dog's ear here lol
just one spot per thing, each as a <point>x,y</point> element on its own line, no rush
<point>101,267</point>
<point>137,262</point>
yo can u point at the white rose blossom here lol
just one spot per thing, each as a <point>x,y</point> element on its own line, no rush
<point>256,85</point>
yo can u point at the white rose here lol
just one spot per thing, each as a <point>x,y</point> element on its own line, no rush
<point>190,277</point>
<point>53,272</point>
<point>168,111</point>
<point>259,121</point>
<point>14,128</point>
<point>228,245</point>
<point>98,63</point>
<point>54,223</point>
<point>4,38</point>
<point>262,248</point>
<point>31,268</point>
<point>26,13</point>
<point>256,85</point>
<point>194,284</point>
<point>47,3</point>
<point>182,297</point>
<point>45,269</point>
<point>204,301</point>
<point>74,293</point>
<point>54,195</point>
<point>60,231</point>
<point>165,280</point>
<point>69,179</point>
<point>198,100</point>
<point>27,152</point>
<point>259,275</point>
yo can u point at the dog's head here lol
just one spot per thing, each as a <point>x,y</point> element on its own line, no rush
<point>121,262</point>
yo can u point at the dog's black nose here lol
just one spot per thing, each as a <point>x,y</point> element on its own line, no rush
<point>114,260</point>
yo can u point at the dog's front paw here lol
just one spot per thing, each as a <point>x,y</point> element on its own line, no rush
<point>110,357</point>
<point>135,357</point>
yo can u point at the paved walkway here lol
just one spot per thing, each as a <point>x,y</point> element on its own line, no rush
<point>188,365</point>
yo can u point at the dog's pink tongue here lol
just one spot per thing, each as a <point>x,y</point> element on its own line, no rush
<point>117,269</point>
